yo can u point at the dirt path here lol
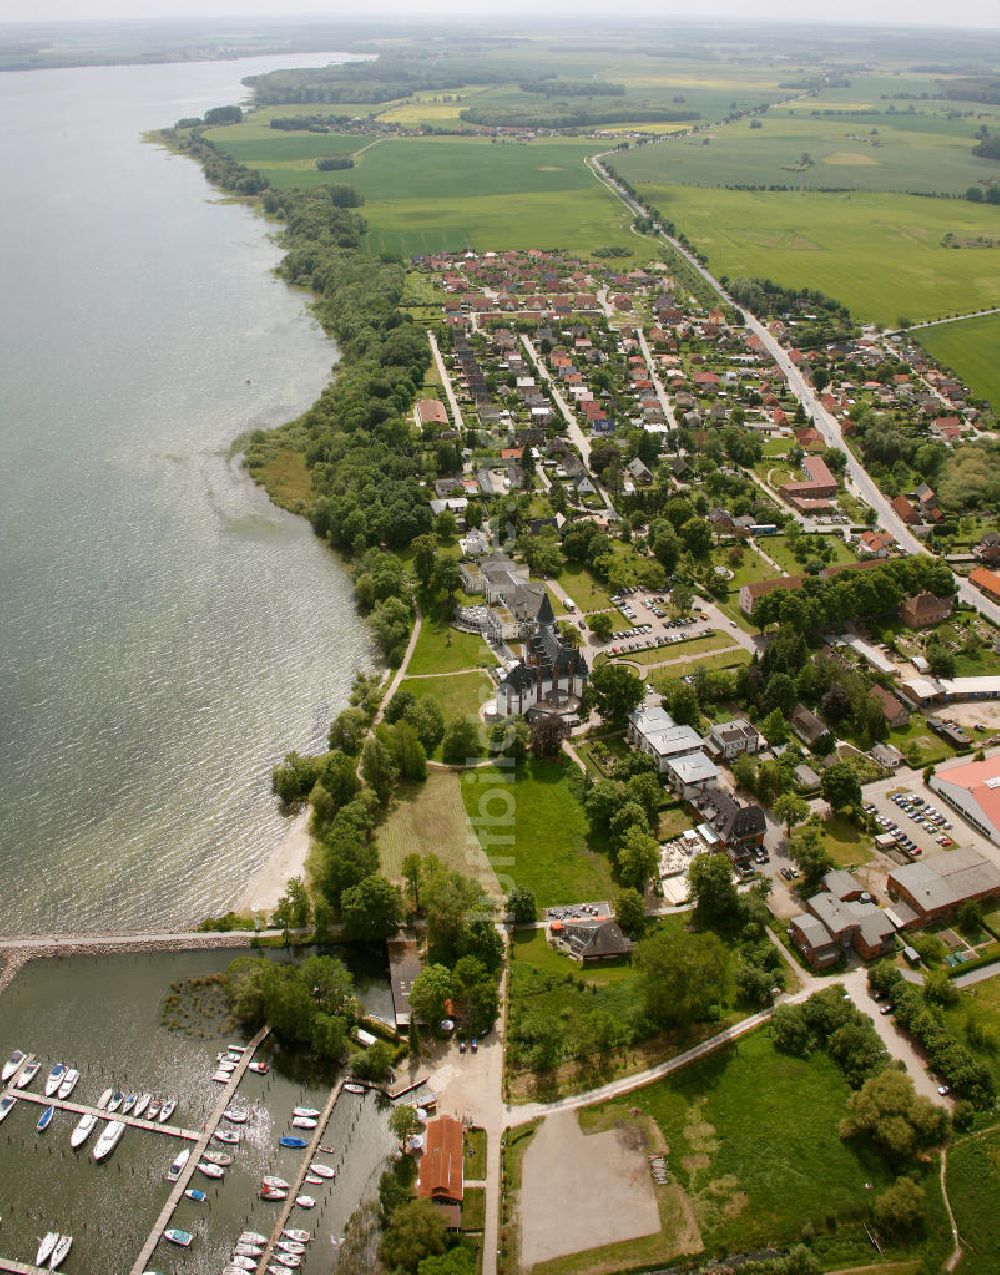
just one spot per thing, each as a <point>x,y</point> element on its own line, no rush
<point>400,673</point>
<point>956,1253</point>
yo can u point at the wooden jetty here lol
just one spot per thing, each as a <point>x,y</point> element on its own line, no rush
<point>21,1268</point>
<point>228,1093</point>
<point>286,1206</point>
<point>151,1126</point>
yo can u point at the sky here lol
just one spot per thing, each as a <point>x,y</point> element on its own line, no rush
<point>966,13</point>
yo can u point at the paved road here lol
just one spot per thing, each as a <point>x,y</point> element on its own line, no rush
<point>654,376</point>
<point>449,389</point>
<point>936,323</point>
<point>977,976</point>
<point>827,425</point>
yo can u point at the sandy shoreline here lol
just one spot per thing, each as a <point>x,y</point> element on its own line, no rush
<point>288,860</point>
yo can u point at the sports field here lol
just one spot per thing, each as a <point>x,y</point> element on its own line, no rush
<point>881,255</point>
<point>971,348</point>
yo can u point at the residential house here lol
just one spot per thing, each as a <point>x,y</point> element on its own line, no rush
<point>692,774</point>
<point>638,472</point>
<point>809,728</point>
<point>986,581</point>
<point>988,549</point>
<point>730,740</point>
<point>591,940</point>
<point>875,544</point>
<point>654,732</point>
<point>924,609</point>
<point>739,827</point>
<point>440,1171</point>
<point>895,714</point>
<point>431,411</point>
<point>847,920</point>
<point>905,510</point>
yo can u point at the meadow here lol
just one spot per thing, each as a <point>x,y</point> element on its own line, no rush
<point>973,1183</point>
<point>879,254</point>
<point>971,349</point>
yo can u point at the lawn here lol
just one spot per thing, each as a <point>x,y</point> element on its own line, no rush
<point>442,649</point>
<point>979,1003</point>
<point>586,592</point>
<point>973,1188</point>
<point>780,550</point>
<point>475,1155</point>
<point>881,255</point>
<point>753,1138</point>
<point>459,694</point>
<point>749,570</point>
<point>970,349</point>
<point>530,947</point>
<point>661,678</point>
<point>916,736</point>
<point>849,846</point>
<point>677,650</point>
<point>473,1208</point>
<point>537,834</point>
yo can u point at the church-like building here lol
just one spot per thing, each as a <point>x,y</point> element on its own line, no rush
<point>552,677</point>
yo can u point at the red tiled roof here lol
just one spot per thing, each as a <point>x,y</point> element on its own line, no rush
<point>441,1164</point>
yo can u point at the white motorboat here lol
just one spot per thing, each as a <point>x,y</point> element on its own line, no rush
<point>322,1170</point>
<point>225,1064</point>
<point>46,1247</point>
<point>141,1104</point>
<point>130,1100</point>
<point>258,1068</point>
<point>313,1179</point>
<point>111,1135</point>
<point>289,1260</point>
<point>222,1158</point>
<point>28,1072</point>
<point>55,1079</point>
<point>244,1263</point>
<point>70,1082</point>
<point>350,1087</point>
<point>177,1168</point>
<point>6,1107</point>
<point>305,1201</point>
<point>278,1183</point>
<point>304,1122</point>
<point>222,1077</point>
<point>248,1250</point>
<point>303,1237</point>
<point>230,1137</point>
<point>296,1247</point>
<point>60,1251</point>
<point>84,1128</point>
<point>235,1116</point>
<point>214,1171</point>
<point>117,1098</point>
<point>308,1112</point>
<point>252,1237</point>
<point>175,1235</point>
<point>12,1064</point>
<point>269,1193</point>
<point>105,1098</point>
<point>167,1110</point>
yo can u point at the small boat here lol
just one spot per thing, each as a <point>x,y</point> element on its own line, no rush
<point>214,1171</point>
<point>303,1237</point>
<point>350,1087</point>
<point>175,1235</point>
<point>234,1116</point>
<point>290,1246</point>
<point>46,1247</point>
<point>243,1263</point>
<point>238,1050</point>
<point>297,1144</point>
<point>141,1103</point>
<point>304,1122</point>
<point>84,1128</point>
<point>252,1237</point>
<point>278,1183</point>
<point>177,1168</point>
<point>309,1112</point>
<point>222,1158</point>
<point>167,1110</point>
<point>70,1082</point>
<point>230,1136</point>
<point>313,1179</point>
<point>327,1149</point>
<point>6,1105</point>
<point>105,1098</point>
<point>291,1261</point>
<point>55,1079</point>
<point>193,1193</point>
<point>222,1077</point>
<point>60,1251</point>
<point>130,1100</point>
<point>153,1110</point>
<point>45,1119</point>
<point>305,1201</point>
<point>111,1135</point>
<point>269,1193</point>
<point>248,1250</point>
<point>117,1098</point>
<point>12,1064</point>
<point>258,1068</point>
<point>225,1064</point>
<point>28,1072</point>
<point>322,1170</point>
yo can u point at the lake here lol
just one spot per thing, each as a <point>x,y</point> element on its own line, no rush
<point>167,633</point>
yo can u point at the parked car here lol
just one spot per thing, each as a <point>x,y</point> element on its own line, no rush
<point>475,1045</point>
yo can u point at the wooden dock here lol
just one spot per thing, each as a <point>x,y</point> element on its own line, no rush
<point>286,1206</point>
<point>21,1268</point>
<point>180,1186</point>
<point>151,1126</point>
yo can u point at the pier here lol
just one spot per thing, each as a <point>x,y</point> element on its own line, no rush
<point>286,1206</point>
<point>202,1140</point>
<point>21,1268</point>
<point>151,1126</point>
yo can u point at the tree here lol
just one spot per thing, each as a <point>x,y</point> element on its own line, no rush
<point>461,741</point>
<point>614,691</point>
<point>298,903</point>
<point>682,596</point>
<point>379,769</point>
<point>683,975</point>
<point>638,858</point>
<point>547,735</point>
<point>371,910</point>
<point>403,1123</point>
<point>418,1230</point>
<point>630,912</point>
<point>424,558</point>
<point>521,905</point>
<point>413,870</point>
<point>807,850</point>
<point>901,1208</point>
<point>696,535</point>
<point>888,1110</point>
<point>427,719</point>
<point>448,579</point>
<point>774,727</point>
<point>601,625</point>
<point>347,730</point>
<point>711,880</point>
<point>429,991</point>
<point>407,752</point>
<point>791,809</point>
<point>457,1261</point>
<point>840,786</point>
<point>682,704</point>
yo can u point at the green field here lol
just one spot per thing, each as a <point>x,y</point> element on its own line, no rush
<point>881,255</point>
<point>924,154</point>
<point>442,649</point>
<point>972,350</point>
<point>459,695</point>
<point>537,834</point>
<point>753,1138</point>
<point>973,1184</point>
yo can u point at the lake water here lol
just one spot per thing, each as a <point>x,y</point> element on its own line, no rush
<point>167,635</point>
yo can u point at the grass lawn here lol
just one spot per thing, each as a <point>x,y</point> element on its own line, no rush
<point>970,349</point>
<point>286,479</point>
<point>475,1155</point>
<point>661,678</point>
<point>442,649</point>
<point>537,833</point>
<point>677,650</point>
<point>780,550</point>
<point>978,1003</point>
<point>473,1208</point>
<point>881,255</point>
<point>849,846</point>
<point>458,695</point>
<point>585,591</point>
<point>973,1189</point>
<point>753,1138</point>
<point>916,735</point>
<point>751,568</point>
<point>429,818</point>
<point>515,1144</point>
<point>530,947</point>
<point>673,821</point>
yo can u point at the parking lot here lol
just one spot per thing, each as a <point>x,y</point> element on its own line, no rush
<point>578,911</point>
<point>877,794</point>
<point>646,624</point>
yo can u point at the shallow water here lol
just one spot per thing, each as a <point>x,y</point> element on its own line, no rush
<point>167,634</point>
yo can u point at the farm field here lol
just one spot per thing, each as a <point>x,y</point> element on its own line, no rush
<point>286,159</point>
<point>881,255</point>
<point>537,833</point>
<point>753,1138</point>
<point>970,348</point>
<point>430,816</point>
<point>926,154</point>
